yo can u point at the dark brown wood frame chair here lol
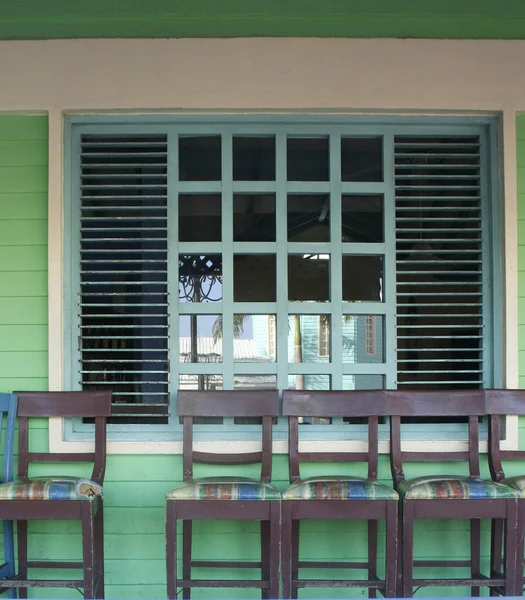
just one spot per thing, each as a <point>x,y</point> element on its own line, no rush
<point>502,504</point>
<point>22,508</point>
<point>499,404</point>
<point>362,506</point>
<point>263,404</point>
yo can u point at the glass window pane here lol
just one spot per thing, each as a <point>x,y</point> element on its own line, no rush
<point>361,159</point>
<point>362,218</point>
<point>200,338</point>
<point>363,382</point>
<point>308,277</point>
<point>308,338</point>
<point>200,278</point>
<point>254,382</point>
<point>254,338</point>
<point>254,158</point>
<point>200,158</point>
<point>200,218</point>
<point>200,382</point>
<point>363,339</point>
<point>254,217</point>
<point>254,278</point>
<point>308,218</point>
<point>307,159</point>
<point>363,278</point>
<point>309,382</point>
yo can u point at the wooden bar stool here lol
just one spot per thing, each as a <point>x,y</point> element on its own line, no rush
<point>343,498</point>
<point>225,497</point>
<point>59,497</point>
<point>441,496</point>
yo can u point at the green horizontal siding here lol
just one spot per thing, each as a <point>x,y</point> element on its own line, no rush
<point>34,19</point>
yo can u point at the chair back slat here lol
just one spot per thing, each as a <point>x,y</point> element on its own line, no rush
<point>460,403</point>
<point>369,404</point>
<point>96,405</point>
<point>8,407</point>
<point>263,404</point>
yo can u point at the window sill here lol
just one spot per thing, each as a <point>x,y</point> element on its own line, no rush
<point>57,443</point>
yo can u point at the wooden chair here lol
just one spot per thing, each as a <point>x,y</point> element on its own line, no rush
<point>342,498</point>
<point>8,405</point>
<point>59,498</point>
<point>225,497</point>
<point>438,496</point>
<point>500,403</point>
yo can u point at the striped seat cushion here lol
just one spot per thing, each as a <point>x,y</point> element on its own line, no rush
<point>453,487</point>
<point>339,488</point>
<point>224,488</point>
<point>517,483</point>
<point>50,488</point>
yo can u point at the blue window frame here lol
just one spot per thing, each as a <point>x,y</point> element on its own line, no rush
<point>205,251</point>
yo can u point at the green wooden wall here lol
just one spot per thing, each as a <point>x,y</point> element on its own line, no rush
<point>136,485</point>
<point>484,19</point>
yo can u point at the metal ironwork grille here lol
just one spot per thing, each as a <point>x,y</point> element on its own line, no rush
<point>439,302</point>
<point>123,304</point>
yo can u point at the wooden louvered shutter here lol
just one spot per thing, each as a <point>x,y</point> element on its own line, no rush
<point>439,262</point>
<point>123,313</point>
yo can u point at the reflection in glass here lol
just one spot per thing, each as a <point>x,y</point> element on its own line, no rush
<point>308,338</point>
<point>363,382</point>
<point>253,158</point>
<point>307,159</point>
<point>254,382</point>
<point>363,339</point>
<point>200,278</point>
<point>200,340</point>
<point>308,277</point>
<point>200,158</point>
<point>254,338</point>
<point>362,278</point>
<point>361,159</point>
<point>309,382</point>
<point>254,278</point>
<point>254,217</point>
<point>200,218</point>
<point>308,218</point>
<point>362,218</point>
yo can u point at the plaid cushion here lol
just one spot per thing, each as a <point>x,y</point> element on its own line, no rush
<point>224,488</point>
<point>516,483</point>
<point>453,487</point>
<point>338,488</point>
<point>50,488</point>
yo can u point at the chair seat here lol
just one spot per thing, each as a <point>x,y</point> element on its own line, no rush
<point>454,488</point>
<point>339,488</point>
<point>517,483</point>
<point>224,488</point>
<point>50,488</point>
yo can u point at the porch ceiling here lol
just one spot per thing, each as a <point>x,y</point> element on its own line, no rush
<point>37,19</point>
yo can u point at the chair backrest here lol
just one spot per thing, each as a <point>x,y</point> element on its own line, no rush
<point>8,406</point>
<point>370,404</point>
<point>226,403</point>
<point>93,405</point>
<point>500,403</point>
<point>445,403</point>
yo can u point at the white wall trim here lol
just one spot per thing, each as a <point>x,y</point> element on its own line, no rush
<point>388,76</point>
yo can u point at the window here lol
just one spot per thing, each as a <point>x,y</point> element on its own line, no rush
<point>333,254</point>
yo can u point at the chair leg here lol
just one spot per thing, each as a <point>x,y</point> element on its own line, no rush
<point>187,531</point>
<point>391,556</point>
<point>88,550</point>
<point>296,529</point>
<point>520,546</point>
<point>496,550</point>
<point>9,554</point>
<point>475,553</point>
<point>265,557</point>
<point>286,548</point>
<point>511,548</point>
<point>21,531</point>
<point>372,555</point>
<point>274,547</point>
<point>99,551</point>
<point>408,549</point>
<point>171,550</point>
